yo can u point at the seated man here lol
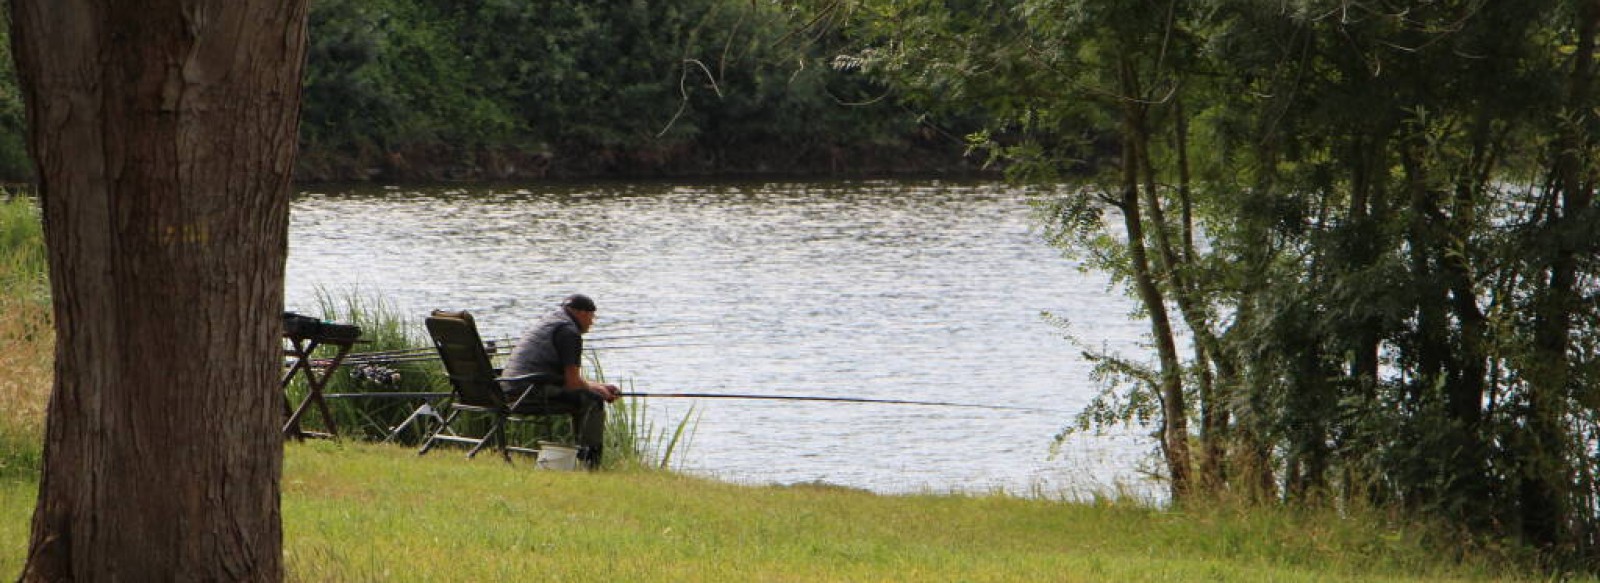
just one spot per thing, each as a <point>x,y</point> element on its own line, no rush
<point>554,348</point>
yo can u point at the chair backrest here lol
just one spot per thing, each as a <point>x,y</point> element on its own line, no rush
<point>466,362</point>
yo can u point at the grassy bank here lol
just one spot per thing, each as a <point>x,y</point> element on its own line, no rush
<point>26,336</point>
<point>356,512</point>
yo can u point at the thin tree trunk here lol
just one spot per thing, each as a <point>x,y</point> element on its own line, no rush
<point>1208,348</point>
<point>1365,244</point>
<point>1364,360</point>
<point>1175,425</point>
<point>164,135</point>
<point>1469,456</point>
<point>1173,265</point>
<point>1544,494</point>
<point>1432,339</point>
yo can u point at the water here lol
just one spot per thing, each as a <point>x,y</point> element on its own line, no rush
<point>893,290</point>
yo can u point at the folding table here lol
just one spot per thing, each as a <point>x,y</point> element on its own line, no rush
<point>316,374</point>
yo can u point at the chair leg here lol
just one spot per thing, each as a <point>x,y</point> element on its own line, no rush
<point>426,410</point>
<point>504,441</point>
<point>427,444</point>
<point>488,438</point>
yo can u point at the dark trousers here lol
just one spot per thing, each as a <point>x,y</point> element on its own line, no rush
<point>588,412</point>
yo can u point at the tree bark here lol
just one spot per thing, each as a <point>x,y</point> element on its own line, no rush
<point>164,136</point>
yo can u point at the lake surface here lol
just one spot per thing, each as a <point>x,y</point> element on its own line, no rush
<point>884,290</point>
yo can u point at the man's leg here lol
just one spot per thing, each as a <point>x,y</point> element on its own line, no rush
<point>589,425</point>
<point>588,412</point>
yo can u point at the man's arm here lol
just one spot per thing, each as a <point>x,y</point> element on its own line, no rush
<point>570,348</point>
<point>575,381</point>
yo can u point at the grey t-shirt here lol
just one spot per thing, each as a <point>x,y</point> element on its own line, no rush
<point>551,345</point>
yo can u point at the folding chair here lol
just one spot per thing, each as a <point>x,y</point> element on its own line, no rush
<point>475,383</point>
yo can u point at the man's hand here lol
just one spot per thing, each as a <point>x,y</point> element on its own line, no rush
<point>606,391</point>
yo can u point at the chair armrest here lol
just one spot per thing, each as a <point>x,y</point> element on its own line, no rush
<point>537,377</point>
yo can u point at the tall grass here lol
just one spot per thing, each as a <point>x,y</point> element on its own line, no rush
<point>383,329</point>
<point>23,269</point>
<point>27,337</point>
<point>633,436</point>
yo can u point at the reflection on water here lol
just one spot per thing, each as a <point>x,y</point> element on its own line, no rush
<point>925,291</point>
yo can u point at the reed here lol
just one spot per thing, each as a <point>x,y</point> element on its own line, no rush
<point>384,328</point>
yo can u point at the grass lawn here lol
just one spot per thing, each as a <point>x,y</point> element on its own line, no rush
<point>356,512</point>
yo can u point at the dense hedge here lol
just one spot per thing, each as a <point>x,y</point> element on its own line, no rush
<point>512,89</point>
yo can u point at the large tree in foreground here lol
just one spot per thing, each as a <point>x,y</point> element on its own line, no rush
<point>164,137</point>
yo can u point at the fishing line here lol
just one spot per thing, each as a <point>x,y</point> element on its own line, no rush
<point>840,400</point>
<point>633,346</point>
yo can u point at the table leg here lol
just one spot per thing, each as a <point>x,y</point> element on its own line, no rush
<point>302,354</point>
<point>316,379</point>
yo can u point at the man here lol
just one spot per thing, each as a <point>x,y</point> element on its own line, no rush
<point>553,348</point>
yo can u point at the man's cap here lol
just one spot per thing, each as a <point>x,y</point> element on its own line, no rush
<point>578,302</point>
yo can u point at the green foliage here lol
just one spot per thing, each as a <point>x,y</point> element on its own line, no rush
<point>15,165</point>
<point>579,88</point>
<point>490,89</point>
<point>385,77</point>
<point>1376,224</point>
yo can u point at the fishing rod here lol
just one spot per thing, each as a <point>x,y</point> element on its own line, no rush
<point>633,346</point>
<point>838,400</point>
<point>625,327</point>
<point>494,344</point>
<point>604,338</point>
<point>428,355</point>
<point>497,345</point>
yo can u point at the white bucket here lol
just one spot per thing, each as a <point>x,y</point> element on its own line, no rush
<point>556,456</point>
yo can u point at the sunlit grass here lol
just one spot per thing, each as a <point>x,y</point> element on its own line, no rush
<point>27,337</point>
<point>22,255</point>
<point>366,513</point>
<point>363,512</point>
<point>642,525</point>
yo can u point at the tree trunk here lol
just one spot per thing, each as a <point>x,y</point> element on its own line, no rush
<point>1175,422</point>
<point>1213,399</point>
<point>164,136</point>
<point>1545,486</point>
